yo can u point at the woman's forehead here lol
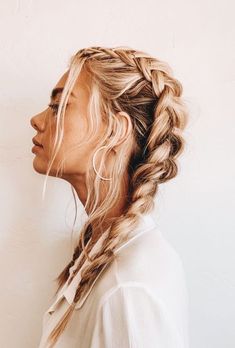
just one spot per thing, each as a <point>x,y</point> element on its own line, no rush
<point>81,86</point>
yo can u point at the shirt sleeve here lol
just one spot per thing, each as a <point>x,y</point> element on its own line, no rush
<point>130,317</point>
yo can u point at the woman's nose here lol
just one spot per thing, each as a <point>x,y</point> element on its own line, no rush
<point>38,121</point>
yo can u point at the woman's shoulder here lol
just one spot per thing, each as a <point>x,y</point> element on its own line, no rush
<point>149,257</point>
<point>148,261</point>
<point>147,281</point>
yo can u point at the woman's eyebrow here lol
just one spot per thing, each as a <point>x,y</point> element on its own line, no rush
<point>57,91</point>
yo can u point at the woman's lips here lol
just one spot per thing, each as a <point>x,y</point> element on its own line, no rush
<point>36,142</point>
<point>36,148</point>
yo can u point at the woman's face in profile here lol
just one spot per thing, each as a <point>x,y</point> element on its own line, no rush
<point>75,130</point>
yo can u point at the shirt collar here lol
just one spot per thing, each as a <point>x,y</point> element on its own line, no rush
<point>145,224</point>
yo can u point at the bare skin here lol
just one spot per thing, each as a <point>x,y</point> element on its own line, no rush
<point>75,126</point>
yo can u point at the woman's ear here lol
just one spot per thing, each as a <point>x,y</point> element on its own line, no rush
<point>124,125</point>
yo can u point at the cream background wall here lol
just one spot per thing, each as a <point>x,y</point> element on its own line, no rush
<point>195,211</point>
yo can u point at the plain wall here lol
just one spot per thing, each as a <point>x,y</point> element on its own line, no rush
<point>195,211</point>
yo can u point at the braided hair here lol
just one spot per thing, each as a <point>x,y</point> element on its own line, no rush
<point>124,79</point>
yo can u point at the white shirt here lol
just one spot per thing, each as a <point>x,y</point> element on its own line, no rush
<point>140,301</point>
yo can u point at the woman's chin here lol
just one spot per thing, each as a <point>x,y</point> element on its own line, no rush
<point>42,168</point>
<point>39,166</point>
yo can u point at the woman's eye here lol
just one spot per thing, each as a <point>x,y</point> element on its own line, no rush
<point>54,107</point>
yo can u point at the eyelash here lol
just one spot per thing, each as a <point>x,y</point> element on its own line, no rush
<point>54,107</point>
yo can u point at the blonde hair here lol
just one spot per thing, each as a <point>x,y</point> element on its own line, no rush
<point>122,79</point>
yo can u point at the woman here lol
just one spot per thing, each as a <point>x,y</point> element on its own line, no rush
<point>113,130</point>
